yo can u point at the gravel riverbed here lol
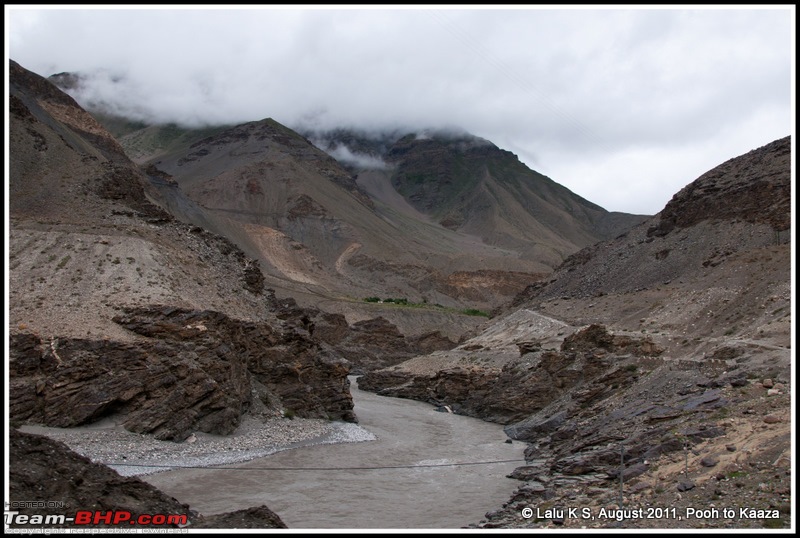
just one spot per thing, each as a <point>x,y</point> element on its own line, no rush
<point>133,454</point>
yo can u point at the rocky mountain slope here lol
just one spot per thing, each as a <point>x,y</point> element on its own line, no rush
<point>442,219</point>
<point>117,311</point>
<point>467,184</point>
<point>669,343</point>
<point>315,230</point>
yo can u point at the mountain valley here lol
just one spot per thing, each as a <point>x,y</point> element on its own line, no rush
<point>180,281</point>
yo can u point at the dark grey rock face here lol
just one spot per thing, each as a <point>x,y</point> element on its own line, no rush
<point>195,370</point>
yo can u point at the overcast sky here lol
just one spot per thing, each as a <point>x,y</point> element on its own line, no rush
<point>623,106</point>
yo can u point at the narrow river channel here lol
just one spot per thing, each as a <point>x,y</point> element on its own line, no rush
<point>409,433</point>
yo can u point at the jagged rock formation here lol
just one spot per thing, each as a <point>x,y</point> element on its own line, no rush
<point>196,371</point>
<point>47,470</point>
<point>525,385</point>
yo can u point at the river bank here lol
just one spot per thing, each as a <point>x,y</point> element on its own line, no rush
<point>132,454</point>
<point>419,469</point>
<point>425,470</point>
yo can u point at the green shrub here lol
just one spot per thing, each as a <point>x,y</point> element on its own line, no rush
<point>475,312</point>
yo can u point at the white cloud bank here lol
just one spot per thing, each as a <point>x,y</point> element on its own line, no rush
<point>623,106</point>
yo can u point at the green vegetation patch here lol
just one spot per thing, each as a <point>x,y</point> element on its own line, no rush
<point>475,312</point>
<point>402,301</point>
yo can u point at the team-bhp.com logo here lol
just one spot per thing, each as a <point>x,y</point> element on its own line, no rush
<point>95,517</point>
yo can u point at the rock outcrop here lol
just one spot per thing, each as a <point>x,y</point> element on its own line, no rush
<point>368,345</point>
<point>64,483</point>
<point>193,371</point>
<point>751,187</point>
<point>591,364</point>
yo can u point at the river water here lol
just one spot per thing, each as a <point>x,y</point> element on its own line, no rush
<point>408,433</point>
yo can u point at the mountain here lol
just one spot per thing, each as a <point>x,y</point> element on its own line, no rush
<point>335,230</point>
<point>673,336</point>
<point>311,221</point>
<point>317,234</point>
<point>469,184</point>
<point>466,183</point>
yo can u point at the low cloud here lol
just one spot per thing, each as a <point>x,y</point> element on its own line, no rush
<point>343,154</point>
<point>580,89</point>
